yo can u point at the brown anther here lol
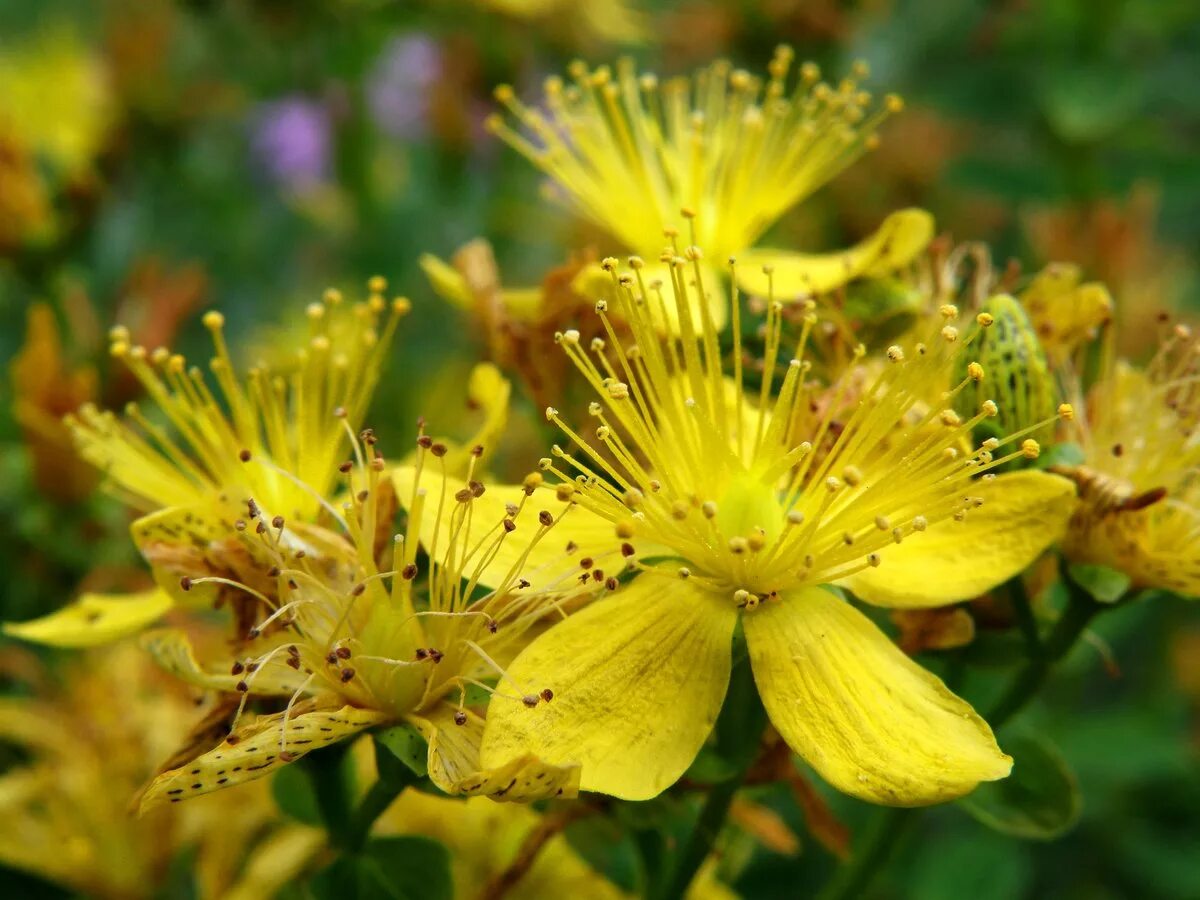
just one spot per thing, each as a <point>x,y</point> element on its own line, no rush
<point>627,549</point>
<point>277,522</point>
<point>347,674</point>
<point>477,488</point>
<point>436,655</point>
<point>345,467</point>
<point>438,450</point>
<point>409,572</point>
<point>422,653</point>
<point>597,575</point>
<point>611,583</point>
<point>530,700</point>
<point>547,694</point>
<point>185,583</point>
<point>424,442</point>
<point>242,687</point>
<point>367,436</point>
<point>342,652</point>
<point>252,510</point>
<point>331,658</point>
<point>294,662</point>
<point>357,590</point>
<point>462,496</point>
<point>477,451</point>
<point>362,496</point>
<point>460,718</point>
<point>545,518</point>
<point>586,562</point>
<point>509,526</point>
<point>244,455</point>
<point>237,669</point>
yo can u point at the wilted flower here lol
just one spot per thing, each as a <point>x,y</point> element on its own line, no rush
<point>739,516</point>
<point>1139,499</point>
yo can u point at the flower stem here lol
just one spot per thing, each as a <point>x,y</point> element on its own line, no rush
<point>885,831</point>
<point>703,836</point>
<point>890,824</point>
<point>378,798</point>
<point>1081,609</point>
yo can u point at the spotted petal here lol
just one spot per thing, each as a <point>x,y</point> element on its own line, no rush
<point>258,750</point>
<point>172,650</point>
<point>94,619</point>
<point>872,722</point>
<point>1022,514</point>
<point>454,764</point>
<point>637,678</point>
<point>896,243</point>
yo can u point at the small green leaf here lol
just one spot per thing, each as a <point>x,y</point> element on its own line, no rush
<point>392,868</point>
<point>401,747</point>
<point>1040,800</point>
<point>294,795</point>
<point>1066,453</point>
<point>1106,585</point>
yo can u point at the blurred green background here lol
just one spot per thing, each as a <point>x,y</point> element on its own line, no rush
<point>167,157</point>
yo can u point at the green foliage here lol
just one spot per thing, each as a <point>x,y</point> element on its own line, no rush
<point>390,868</point>
<point>1040,800</point>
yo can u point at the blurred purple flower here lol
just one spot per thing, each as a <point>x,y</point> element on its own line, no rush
<point>399,83</point>
<point>291,141</point>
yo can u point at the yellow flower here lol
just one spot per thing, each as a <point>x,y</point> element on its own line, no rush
<point>1065,312</point>
<point>1139,500</point>
<point>354,637</point>
<point>618,21</point>
<point>90,742</point>
<point>275,433</point>
<point>754,513</point>
<point>629,153</point>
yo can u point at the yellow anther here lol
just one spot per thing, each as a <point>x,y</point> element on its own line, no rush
<point>989,408</point>
<point>1066,411</point>
<point>213,320</point>
<point>975,370</point>
<point>985,319</point>
<point>1030,448</point>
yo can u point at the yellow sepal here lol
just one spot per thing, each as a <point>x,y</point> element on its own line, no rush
<point>454,763</point>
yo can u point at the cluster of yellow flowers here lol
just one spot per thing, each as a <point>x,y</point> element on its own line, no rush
<point>723,486</point>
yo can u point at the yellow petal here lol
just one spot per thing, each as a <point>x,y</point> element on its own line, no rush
<point>638,679</point>
<point>1023,513</point>
<point>94,619</point>
<point>258,750</point>
<point>175,542</point>
<point>901,237</point>
<point>172,650</point>
<point>872,722</point>
<point>447,282</point>
<point>454,764</point>
<point>547,566</point>
<point>487,390</point>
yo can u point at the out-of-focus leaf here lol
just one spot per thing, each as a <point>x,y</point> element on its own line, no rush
<point>1087,104</point>
<point>607,848</point>
<point>967,864</point>
<point>390,868</point>
<point>401,747</point>
<point>1106,585</point>
<point>294,795</point>
<point>1040,800</point>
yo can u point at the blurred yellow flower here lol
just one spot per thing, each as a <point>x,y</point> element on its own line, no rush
<point>1139,498</point>
<point>724,147</point>
<point>753,518</point>
<point>91,742</point>
<point>615,21</point>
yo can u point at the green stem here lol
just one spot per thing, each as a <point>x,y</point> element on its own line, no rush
<point>327,774</point>
<point>890,824</point>
<point>869,859</point>
<point>370,808</point>
<point>1081,609</point>
<point>703,836</point>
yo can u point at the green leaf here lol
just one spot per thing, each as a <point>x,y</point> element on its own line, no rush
<point>392,868</point>
<point>607,848</point>
<point>1040,800</point>
<point>1106,585</point>
<point>294,795</point>
<point>1066,453</point>
<point>400,753</point>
